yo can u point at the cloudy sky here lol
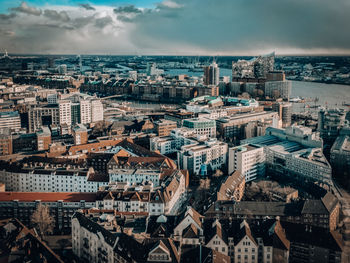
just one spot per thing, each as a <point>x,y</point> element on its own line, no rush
<point>189,27</point>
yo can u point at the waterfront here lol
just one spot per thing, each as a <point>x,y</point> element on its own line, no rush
<point>329,95</point>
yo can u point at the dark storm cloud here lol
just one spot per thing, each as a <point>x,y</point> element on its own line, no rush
<point>87,7</point>
<point>54,15</point>
<point>255,24</point>
<point>196,27</point>
<point>24,8</point>
<point>130,9</point>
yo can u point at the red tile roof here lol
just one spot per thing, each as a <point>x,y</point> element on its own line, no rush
<point>47,197</point>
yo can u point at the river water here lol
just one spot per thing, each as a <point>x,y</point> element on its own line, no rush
<point>329,95</point>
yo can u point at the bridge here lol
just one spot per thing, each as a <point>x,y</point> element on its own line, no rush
<point>112,96</point>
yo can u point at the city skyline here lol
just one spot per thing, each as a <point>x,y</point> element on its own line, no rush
<point>174,27</point>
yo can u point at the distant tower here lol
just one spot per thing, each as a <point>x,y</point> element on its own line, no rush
<point>50,62</point>
<point>6,54</point>
<point>212,74</point>
<point>80,63</point>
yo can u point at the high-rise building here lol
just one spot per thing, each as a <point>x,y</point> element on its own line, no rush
<point>85,111</point>
<point>212,74</point>
<point>50,62</point>
<point>75,111</point>
<point>96,111</point>
<point>65,112</point>
<point>284,110</point>
<point>62,69</point>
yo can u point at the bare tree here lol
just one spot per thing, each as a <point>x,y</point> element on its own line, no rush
<point>218,173</point>
<point>42,220</point>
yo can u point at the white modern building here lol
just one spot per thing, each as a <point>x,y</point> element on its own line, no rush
<point>247,159</point>
<point>65,112</point>
<point>203,157</point>
<point>296,152</point>
<point>170,144</point>
<point>85,111</point>
<point>50,180</point>
<point>96,110</point>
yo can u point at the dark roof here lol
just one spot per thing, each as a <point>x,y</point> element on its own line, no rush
<point>191,254</point>
<point>329,201</point>
<point>190,231</point>
<point>314,236</point>
<point>24,243</point>
<point>95,228</point>
<point>259,208</point>
<point>214,228</point>
<point>314,207</point>
<point>125,245</point>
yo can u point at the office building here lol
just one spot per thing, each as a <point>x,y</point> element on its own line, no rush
<point>278,89</point>
<point>249,160</point>
<point>284,110</point>
<point>201,126</point>
<point>247,125</point>
<point>295,152</point>
<point>212,74</point>
<point>52,98</point>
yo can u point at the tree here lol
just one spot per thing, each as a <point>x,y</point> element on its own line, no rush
<point>218,173</point>
<point>100,128</point>
<point>42,220</point>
